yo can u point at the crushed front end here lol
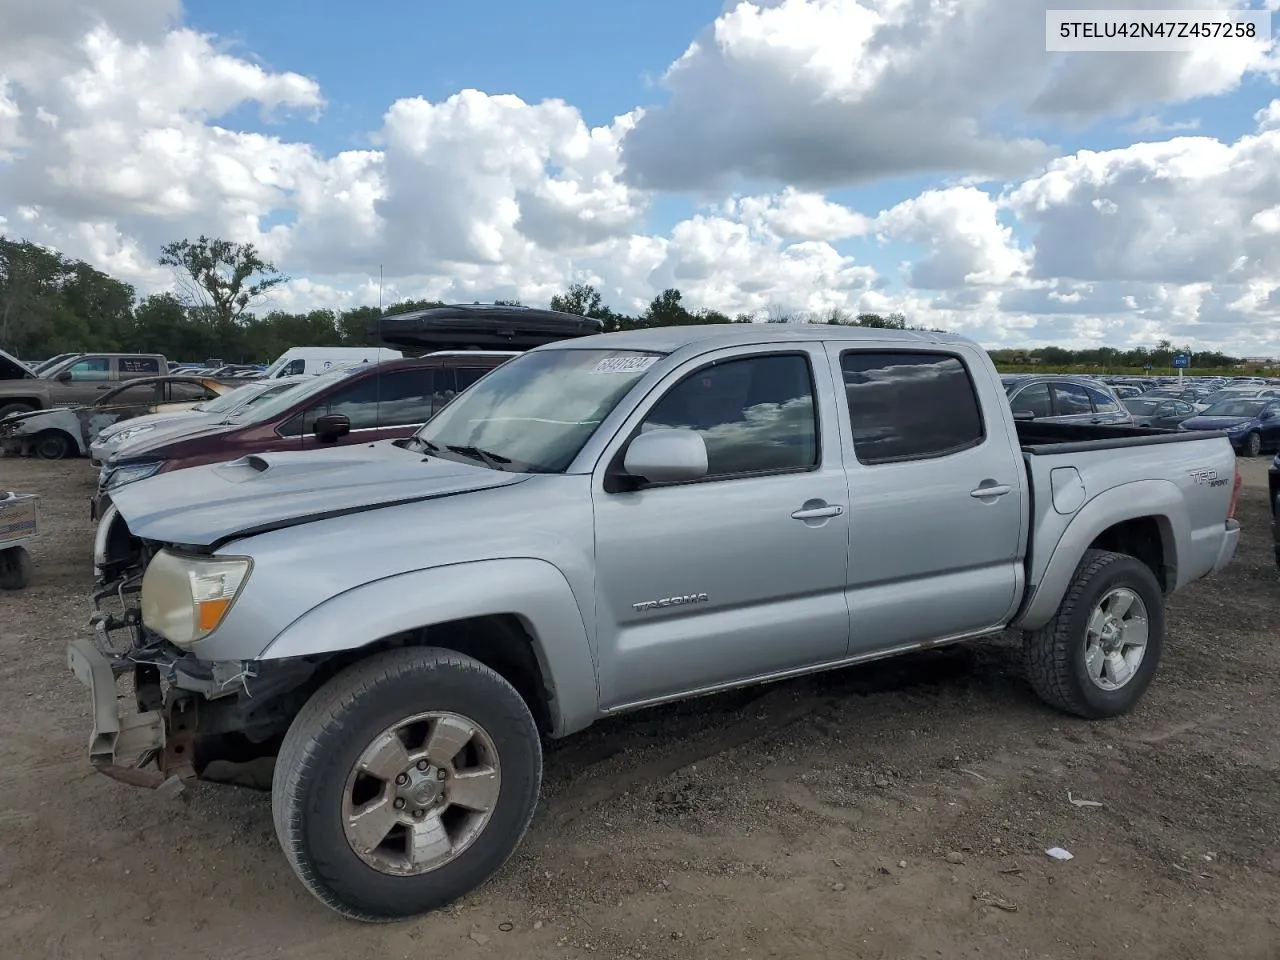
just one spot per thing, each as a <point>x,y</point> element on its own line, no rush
<point>161,715</point>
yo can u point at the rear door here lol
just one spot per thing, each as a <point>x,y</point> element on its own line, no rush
<point>1071,403</point>
<point>937,492</point>
<point>132,367</point>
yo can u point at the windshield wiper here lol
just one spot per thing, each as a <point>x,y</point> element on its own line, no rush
<point>493,461</point>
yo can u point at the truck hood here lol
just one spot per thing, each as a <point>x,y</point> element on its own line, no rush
<point>207,506</point>
<point>11,368</point>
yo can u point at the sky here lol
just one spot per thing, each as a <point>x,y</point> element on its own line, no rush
<point>927,157</point>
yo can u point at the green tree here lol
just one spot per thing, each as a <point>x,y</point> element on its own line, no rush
<point>220,275</point>
<point>666,310</point>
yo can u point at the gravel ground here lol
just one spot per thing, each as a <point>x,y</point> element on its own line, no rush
<point>899,810</point>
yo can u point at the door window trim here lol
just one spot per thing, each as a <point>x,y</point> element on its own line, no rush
<point>615,480</point>
<point>921,458</point>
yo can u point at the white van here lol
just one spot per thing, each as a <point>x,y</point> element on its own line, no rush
<point>313,360</point>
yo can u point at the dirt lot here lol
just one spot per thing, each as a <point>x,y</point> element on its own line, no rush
<point>900,810</point>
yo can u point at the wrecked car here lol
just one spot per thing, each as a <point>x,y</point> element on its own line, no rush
<point>390,629</point>
<point>68,431</point>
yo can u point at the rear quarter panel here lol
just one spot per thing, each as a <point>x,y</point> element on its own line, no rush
<point>1186,487</point>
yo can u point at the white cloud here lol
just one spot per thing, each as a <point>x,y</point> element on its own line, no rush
<point>115,138</point>
<point>829,92</point>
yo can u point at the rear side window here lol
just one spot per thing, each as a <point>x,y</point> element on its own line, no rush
<point>1034,400</point>
<point>1102,403</point>
<point>910,406</point>
<point>407,396</point>
<point>1071,400</point>
<point>138,365</point>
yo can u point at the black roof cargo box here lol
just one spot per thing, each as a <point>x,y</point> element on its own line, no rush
<point>482,326</point>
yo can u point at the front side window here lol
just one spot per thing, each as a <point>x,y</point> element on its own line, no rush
<point>294,368</point>
<point>910,406</point>
<point>91,368</point>
<point>536,411</point>
<point>358,402</point>
<point>1102,403</point>
<point>137,394</point>
<point>756,415</point>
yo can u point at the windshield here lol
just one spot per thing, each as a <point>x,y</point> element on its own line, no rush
<point>1223,396</point>
<point>534,412</point>
<point>285,401</point>
<point>1235,408</point>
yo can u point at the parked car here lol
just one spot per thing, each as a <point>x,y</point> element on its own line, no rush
<point>314,360</point>
<point>111,439</point>
<point>77,381</point>
<point>1235,393</point>
<point>595,527</point>
<point>1252,425</point>
<point>69,431</point>
<point>1063,399</point>
<point>354,404</point>
<point>11,368</point>
<point>1160,412</point>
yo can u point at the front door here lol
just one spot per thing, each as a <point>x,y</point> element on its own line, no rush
<point>739,575</point>
<point>86,380</point>
<point>937,486</point>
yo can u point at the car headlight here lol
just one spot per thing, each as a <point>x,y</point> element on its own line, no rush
<point>185,598</point>
<point>130,473</point>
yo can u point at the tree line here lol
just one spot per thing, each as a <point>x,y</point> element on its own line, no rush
<point>220,308</point>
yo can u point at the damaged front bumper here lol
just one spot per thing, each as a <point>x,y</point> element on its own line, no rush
<point>162,716</point>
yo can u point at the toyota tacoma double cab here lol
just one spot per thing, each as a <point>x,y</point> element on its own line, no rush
<point>386,632</point>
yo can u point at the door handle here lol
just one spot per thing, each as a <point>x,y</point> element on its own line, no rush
<point>995,490</point>
<point>817,513</point>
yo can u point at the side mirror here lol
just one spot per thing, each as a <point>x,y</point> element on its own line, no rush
<point>331,428</point>
<point>1024,415</point>
<point>64,376</point>
<point>667,456</point>
<point>1267,415</point>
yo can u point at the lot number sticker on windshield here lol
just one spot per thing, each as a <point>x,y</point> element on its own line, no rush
<point>627,364</point>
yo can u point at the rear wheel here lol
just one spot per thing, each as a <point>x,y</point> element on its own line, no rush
<point>53,445</point>
<point>405,782</point>
<point>1253,445</point>
<point>1100,652</point>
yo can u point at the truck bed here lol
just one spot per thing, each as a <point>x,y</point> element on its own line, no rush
<point>1039,437</point>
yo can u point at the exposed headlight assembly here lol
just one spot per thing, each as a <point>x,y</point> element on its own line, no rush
<point>131,473</point>
<point>185,598</point>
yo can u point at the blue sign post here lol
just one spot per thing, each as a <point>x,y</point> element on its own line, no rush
<point>1181,361</point>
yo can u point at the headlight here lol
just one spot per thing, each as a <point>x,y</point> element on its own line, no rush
<point>130,473</point>
<point>185,598</point>
<point>1239,428</point>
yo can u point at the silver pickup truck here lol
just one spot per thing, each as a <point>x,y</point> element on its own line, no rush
<point>603,524</point>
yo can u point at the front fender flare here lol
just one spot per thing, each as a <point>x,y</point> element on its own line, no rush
<point>1159,499</point>
<point>534,591</point>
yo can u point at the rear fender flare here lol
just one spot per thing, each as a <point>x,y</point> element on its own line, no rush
<point>534,591</point>
<point>1158,499</point>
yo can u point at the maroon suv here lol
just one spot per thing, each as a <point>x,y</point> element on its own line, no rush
<point>350,405</point>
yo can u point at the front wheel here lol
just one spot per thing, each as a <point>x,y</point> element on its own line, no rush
<point>1099,653</point>
<point>405,782</point>
<point>1253,445</point>
<point>52,445</point>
